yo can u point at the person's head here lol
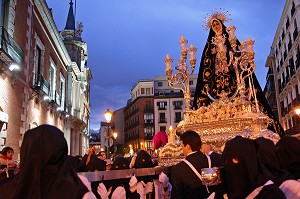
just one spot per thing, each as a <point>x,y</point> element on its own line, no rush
<point>120,163</point>
<point>101,155</point>
<point>190,142</point>
<point>8,152</point>
<point>45,171</point>
<point>240,161</point>
<point>143,160</point>
<point>206,148</point>
<point>288,152</point>
<point>216,26</point>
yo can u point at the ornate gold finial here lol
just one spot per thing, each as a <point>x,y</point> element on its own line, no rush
<point>219,14</point>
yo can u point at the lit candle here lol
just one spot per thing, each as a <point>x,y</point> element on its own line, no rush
<point>183,42</point>
<point>171,135</point>
<point>168,62</point>
<point>192,52</point>
<point>250,43</point>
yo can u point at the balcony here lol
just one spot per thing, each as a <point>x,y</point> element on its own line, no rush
<point>41,85</point>
<point>10,52</point>
<point>148,121</point>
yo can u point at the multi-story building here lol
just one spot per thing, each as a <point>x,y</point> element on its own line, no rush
<point>139,116</point>
<point>79,77</point>
<point>169,104</point>
<point>284,59</point>
<point>270,92</point>
<point>118,125</point>
<point>40,92</point>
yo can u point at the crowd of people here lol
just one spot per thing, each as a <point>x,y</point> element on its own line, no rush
<point>248,169</point>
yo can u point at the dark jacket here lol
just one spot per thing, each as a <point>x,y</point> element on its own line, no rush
<point>185,183</point>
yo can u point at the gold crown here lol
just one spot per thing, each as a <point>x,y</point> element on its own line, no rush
<point>219,14</point>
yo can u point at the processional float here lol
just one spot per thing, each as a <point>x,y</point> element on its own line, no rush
<point>228,115</point>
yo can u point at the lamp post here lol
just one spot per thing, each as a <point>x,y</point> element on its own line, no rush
<point>115,134</point>
<point>108,115</point>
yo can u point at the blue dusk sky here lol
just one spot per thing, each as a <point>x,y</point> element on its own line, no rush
<point>129,39</point>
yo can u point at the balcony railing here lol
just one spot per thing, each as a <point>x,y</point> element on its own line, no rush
<point>149,121</point>
<point>10,52</point>
<point>162,120</point>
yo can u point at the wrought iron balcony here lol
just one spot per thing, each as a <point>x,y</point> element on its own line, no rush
<point>10,52</point>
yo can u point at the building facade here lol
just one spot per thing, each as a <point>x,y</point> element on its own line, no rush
<point>78,92</point>
<point>139,116</point>
<point>169,104</point>
<point>39,92</point>
<point>284,60</point>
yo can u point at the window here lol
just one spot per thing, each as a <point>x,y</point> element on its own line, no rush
<point>162,128</point>
<point>191,82</point>
<point>148,118</point>
<point>148,104</point>
<point>177,105</point>
<point>52,80</point>
<point>177,116</point>
<point>148,91</point>
<point>159,84</point>
<point>162,118</point>
<point>161,105</point>
<point>149,131</point>
<point>142,91</point>
<point>62,91</point>
<point>38,61</point>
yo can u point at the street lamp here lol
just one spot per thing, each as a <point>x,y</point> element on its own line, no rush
<point>297,111</point>
<point>115,134</point>
<point>108,115</point>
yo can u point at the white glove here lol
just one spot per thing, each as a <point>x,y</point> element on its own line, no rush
<point>102,191</point>
<point>149,187</point>
<point>141,189</point>
<point>119,193</point>
<point>163,179</point>
<point>133,184</point>
<point>166,191</point>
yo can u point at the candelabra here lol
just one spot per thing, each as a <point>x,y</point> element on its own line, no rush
<point>180,80</point>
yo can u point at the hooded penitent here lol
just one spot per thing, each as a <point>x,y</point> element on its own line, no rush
<point>269,163</point>
<point>45,171</point>
<point>288,151</point>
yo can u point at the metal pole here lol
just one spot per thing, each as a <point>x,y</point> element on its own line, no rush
<point>114,149</point>
<point>108,141</point>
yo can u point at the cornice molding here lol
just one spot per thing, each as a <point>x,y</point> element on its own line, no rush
<point>43,9</point>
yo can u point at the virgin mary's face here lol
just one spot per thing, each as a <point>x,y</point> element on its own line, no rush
<point>216,26</point>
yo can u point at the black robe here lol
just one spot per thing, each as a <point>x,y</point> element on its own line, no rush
<point>242,171</point>
<point>215,82</point>
<point>45,171</point>
<point>288,151</point>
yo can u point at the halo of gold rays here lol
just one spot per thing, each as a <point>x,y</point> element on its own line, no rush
<point>220,14</point>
